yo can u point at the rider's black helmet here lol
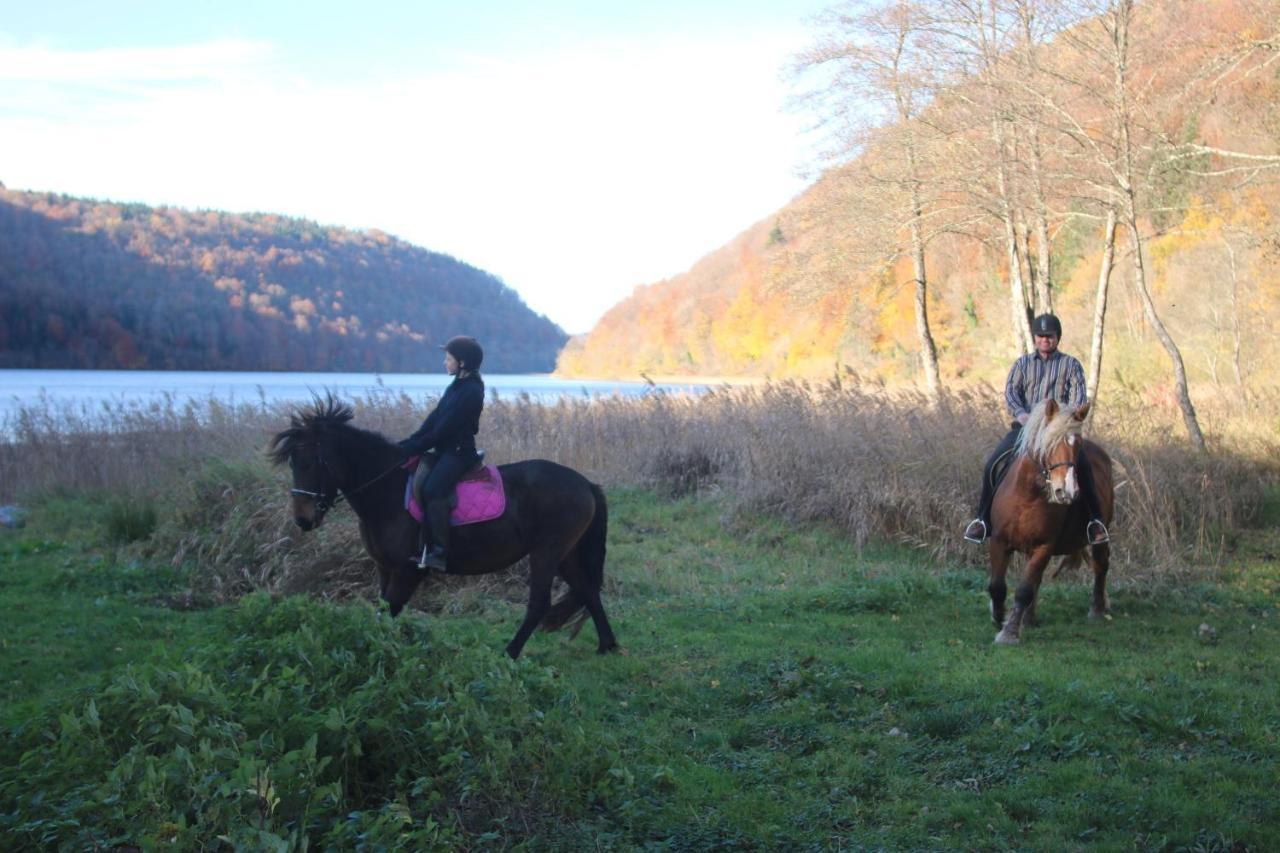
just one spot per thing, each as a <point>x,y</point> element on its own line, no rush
<point>1046,324</point>
<point>466,350</point>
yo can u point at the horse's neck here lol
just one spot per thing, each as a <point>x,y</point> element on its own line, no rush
<point>1026,473</point>
<point>375,486</point>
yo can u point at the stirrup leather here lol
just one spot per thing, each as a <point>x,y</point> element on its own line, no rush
<point>430,560</point>
<point>982,537</point>
<point>1094,528</point>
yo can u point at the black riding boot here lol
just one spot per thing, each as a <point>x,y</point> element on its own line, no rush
<point>1096,532</point>
<point>980,528</point>
<point>435,556</point>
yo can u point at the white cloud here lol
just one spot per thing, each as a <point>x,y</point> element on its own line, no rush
<point>193,62</point>
<point>574,175</point>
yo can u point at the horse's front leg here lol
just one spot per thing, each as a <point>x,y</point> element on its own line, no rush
<point>1024,597</point>
<point>998,554</point>
<point>384,581</point>
<point>402,582</point>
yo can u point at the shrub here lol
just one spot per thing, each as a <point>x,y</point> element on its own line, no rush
<point>130,520</point>
<point>311,725</point>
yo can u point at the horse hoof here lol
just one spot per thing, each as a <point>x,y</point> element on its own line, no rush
<point>1004,639</point>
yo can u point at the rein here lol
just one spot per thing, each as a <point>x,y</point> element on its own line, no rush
<point>326,502</point>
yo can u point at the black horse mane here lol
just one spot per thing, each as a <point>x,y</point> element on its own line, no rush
<point>325,415</point>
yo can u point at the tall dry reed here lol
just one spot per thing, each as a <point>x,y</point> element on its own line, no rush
<point>877,463</point>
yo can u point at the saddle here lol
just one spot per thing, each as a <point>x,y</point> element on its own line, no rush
<point>479,495</point>
<point>1000,467</point>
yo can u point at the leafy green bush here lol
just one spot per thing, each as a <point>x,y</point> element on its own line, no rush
<point>314,725</point>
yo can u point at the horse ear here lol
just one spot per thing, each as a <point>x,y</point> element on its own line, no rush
<point>1050,409</point>
<point>1083,411</point>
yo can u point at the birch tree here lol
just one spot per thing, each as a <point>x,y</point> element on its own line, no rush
<point>873,63</point>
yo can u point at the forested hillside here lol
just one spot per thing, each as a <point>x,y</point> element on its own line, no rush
<point>985,147</point>
<point>95,284</point>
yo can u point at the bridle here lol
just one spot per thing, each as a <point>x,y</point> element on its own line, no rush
<point>324,502</point>
<point>1047,470</point>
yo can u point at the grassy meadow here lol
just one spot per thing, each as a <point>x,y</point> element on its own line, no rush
<point>808,659</point>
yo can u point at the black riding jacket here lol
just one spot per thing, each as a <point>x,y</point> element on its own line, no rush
<point>453,424</point>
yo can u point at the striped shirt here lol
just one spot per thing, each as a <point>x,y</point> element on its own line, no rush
<point>1032,379</point>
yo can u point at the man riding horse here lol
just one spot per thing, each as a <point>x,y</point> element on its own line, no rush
<point>1034,377</point>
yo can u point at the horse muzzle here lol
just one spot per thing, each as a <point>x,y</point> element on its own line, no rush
<point>1060,495</point>
<point>308,514</point>
<point>1064,490</point>
<point>312,520</point>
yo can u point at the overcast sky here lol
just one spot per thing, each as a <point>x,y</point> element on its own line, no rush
<point>572,149</point>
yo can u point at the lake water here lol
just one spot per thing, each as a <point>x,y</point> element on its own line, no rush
<point>89,389</point>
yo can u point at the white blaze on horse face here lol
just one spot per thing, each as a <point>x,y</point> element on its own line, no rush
<point>1058,486</point>
<point>1072,486</point>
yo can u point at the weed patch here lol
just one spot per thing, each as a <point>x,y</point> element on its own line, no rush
<point>313,724</point>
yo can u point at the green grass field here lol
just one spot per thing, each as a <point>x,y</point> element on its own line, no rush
<point>779,690</point>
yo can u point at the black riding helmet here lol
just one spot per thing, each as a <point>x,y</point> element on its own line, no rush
<point>1045,324</point>
<point>466,350</point>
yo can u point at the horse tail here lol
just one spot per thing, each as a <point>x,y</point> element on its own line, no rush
<point>590,552</point>
<point>593,541</point>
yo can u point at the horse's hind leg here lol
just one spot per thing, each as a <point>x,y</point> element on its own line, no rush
<point>575,575</point>
<point>542,571</point>
<point>1100,562</point>
<point>1029,618</point>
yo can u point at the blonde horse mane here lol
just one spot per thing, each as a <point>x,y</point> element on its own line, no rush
<point>1040,434</point>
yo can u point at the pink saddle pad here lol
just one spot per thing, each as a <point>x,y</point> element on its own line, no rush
<point>480,498</point>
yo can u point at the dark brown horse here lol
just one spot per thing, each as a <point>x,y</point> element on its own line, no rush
<point>554,515</point>
<point>1038,511</point>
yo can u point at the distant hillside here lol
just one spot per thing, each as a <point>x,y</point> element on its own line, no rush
<point>812,289</point>
<point>95,284</point>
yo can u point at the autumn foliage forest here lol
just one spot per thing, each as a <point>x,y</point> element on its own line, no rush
<point>97,284</point>
<point>1114,162</point>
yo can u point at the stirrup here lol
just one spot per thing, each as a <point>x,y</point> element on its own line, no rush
<point>982,537</point>
<point>1097,525</point>
<point>430,559</point>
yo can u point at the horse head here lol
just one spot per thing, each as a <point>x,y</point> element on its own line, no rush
<point>311,448</point>
<point>1052,440</point>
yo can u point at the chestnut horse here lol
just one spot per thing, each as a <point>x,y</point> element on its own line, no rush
<point>1039,511</point>
<point>554,515</point>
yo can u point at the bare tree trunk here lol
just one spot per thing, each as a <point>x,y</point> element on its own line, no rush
<point>1019,326</point>
<point>1017,294</point>
<point>1100,308</point>
<point>1044,284</point>
<point>1121,13</point>
<point>928,351</point>
<point>1235,311</point>
<point>1029,268</point>
<point>1027,11</point>
<point>1175,355</point>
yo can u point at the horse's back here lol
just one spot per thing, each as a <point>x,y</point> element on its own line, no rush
<point>546,489</point>
<point>541,474</point>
